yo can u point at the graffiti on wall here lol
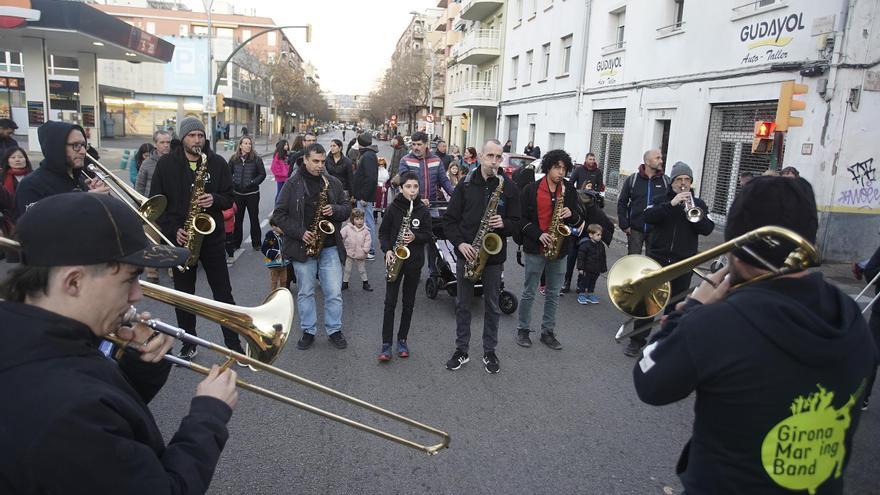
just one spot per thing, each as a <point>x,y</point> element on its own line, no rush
<point>863,190</point>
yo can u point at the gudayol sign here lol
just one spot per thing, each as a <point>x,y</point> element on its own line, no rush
<point>767,41</point>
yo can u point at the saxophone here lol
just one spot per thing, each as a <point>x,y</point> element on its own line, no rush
<point>320,227</point>
<point>198,223</point>
<point>399,253</point>
<point>485,242</point>
<point>558,231</point>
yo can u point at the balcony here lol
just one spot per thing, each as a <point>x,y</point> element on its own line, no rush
<point>477,10</point>
<point>478,47</point>
<point>475,94</point>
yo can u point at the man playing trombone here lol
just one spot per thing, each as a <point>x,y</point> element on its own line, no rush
<point>73,420</point>
<point>778,365</point>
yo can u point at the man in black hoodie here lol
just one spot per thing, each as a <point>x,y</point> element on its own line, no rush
<point>173,178</point>
<point>74,421</point>
<point>366,178</point>
<point>64,149</point>
<point>460,224</point>
<point>674,238</point>
<point>778,366</point>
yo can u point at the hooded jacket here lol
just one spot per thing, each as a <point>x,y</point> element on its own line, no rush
<point>531,230</point>
<point>52,176</point>
<point>420,225</point>
<point>779,368</point>
<point>174,178</point>
<point>145,174</point>
<point>431,173</point>
<point>367,175</point>
<point>75,422</point>
<point>673,238</point>
<point>636,194</point>
<point>247,175</point>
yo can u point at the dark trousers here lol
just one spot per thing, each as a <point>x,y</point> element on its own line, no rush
<point>570,262</point>
<point>874,326</point>
<point>587,282</point>
<point>678,286</point>
<point>635,240</point>
<point>409,278</point>
<point>491,280</point>
<point>213,259</point>
<point>251,202</point>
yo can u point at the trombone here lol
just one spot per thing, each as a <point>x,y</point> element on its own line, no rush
<point>640,287</point>
<point>265,328</point>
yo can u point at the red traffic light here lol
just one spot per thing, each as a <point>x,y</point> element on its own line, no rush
<point>764,129</point>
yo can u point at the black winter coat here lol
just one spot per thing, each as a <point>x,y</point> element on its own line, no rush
<point>342,170</point>
<point>174,179</point>
<point>637,193</point>
<point>673,238</point>
<point>75,422</point>
<point>591,256</point>
<point>468,205</point>
<point>52,177</point>
<point>289,214</point>
<point>583,175</point>
<point>247,175</point>
<point>366,177</point>
<point>531,232</point>
<point>420,224</point>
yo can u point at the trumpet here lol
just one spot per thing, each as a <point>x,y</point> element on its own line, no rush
<point>693,212</point>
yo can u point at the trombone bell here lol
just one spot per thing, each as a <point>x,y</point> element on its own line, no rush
<point>632,298</point>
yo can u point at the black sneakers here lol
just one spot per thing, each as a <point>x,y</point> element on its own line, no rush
<point>522,338</point>
<point>344,285</point>
<point>550,341</point>
<point>367,286</point>
<point>490,361</point>
<point>632,349</point>
<point>188,351</point>
<point>305,341</point>
<point>338,340</point>
<point>458,359</point>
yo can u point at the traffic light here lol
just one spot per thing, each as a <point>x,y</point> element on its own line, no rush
<point>221,103</point>
<point>763,141</point>
<point>787,104</point>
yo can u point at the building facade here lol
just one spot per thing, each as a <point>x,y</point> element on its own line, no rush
<point>721,69</point>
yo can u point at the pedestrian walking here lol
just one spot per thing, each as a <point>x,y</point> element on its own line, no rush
<point>636,195</point>
<point>339,166</point>
<point>469,160</point>
<point>357,241</point>
<point>14,166</point>
<point>365,179</point>
<point>589,176</point>
<point>248,172</point>
<point>382,182</point>
<point>590,263</point>
<point>507,146</point>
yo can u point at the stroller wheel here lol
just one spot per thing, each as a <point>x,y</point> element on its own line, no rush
<point>431,288</point>
<point>507,302</point>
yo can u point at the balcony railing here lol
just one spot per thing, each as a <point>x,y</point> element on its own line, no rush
<point>663,31</point>
<point>475,10</point>
<point>476,92</point>
<point>614,47</point>
<point>482,40</point>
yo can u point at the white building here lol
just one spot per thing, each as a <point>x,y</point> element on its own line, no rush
<point>692,78</point>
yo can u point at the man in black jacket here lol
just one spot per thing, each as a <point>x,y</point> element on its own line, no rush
<point>366,179</point>
<point>674,238</point>
<point>539,200</point>
<point>778,366</point>
<point>64,149</point>
<point>173,178</point>
<point>636,194</point>
<point>7,129</point>
<point>73,420</point>
<point>463,218</point>
<point>295,214</point>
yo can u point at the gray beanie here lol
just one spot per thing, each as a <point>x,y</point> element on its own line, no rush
<point>681,168</point>
<point>365,139</point>
<point>188,125</point>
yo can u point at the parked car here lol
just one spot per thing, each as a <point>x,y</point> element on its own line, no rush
<point>511,162</point>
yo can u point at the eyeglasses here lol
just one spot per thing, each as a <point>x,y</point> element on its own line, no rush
<point>77,147</point>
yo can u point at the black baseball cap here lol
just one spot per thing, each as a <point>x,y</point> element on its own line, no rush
<point>80,228</point>
<point>8,124</point>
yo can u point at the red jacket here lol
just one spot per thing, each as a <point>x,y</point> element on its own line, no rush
<point>229,218</point>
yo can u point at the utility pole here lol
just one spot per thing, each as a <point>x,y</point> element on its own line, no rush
<point>431,88</point>
<point>208,4</point>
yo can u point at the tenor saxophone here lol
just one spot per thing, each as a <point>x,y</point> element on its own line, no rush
<point>485,242</point>
<point>400,252</point>
<point>558,231</point>
<point>198,223</point>
<point>321,227</point>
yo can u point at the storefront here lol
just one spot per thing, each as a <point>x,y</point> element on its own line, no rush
<point>13,103</point>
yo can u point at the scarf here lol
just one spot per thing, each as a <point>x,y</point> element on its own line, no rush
<point>9,181</point>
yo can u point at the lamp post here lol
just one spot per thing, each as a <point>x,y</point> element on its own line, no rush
<point>208,4</point>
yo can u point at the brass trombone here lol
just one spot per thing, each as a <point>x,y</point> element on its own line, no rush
<point>640,287</point>
<point>265,328</point>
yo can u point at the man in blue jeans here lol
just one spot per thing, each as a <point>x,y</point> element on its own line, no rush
<point>295,212</point>
<point>366,180</point>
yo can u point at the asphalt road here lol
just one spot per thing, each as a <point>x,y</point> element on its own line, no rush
<point>552,421</point>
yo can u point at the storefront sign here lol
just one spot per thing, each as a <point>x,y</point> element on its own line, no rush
<point>766,41</point>
<point>610,70</point>
<point>36,114</point>
<point>88,115</point>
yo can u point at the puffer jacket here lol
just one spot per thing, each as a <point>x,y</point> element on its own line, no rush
<point>247,173</point>
<point>357,241</point>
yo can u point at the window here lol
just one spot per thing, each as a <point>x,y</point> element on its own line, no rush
<point>151,27</point>
<point>11,62</point>
<point>245,34</point>
<point>679,13</point>
<point>270,38</point>
<point>200,30</point>
<point>565,60</point>
<point>514,71</point>
<point>545,60</point>
<point>530,62</point>
<point>620,21</point>
<point>183,30</point>
<point>533,7</point>
<point>224,81</point>
<point>532,128</point>
<point>517,13</point>
<point>557,140</point>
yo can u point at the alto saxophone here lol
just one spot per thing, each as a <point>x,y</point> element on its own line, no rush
<point>400,252</point>
<point>321,227</point>
<point>198,223</point>
<point>558,231</point>
<point>485,242</point>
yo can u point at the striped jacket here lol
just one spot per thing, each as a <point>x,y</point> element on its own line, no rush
<point>431,174</point>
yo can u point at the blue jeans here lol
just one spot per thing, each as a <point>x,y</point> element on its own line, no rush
<point>554,272</point>
<point>330,269</point>
<point>370,221</point>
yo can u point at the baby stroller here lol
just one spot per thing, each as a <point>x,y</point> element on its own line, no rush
<point>447,258</point>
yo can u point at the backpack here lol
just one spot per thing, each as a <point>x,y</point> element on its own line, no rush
<point>523,176</point>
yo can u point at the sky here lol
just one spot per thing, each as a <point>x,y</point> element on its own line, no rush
<point>352,40</point>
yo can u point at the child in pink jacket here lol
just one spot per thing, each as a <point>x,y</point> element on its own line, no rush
<point>280,168</point>
<point>357,241</point>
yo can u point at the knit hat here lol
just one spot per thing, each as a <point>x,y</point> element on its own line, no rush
<point>365,139</point>
<point>188,125</point>
<point>681,168</point>
<point>782,201</point>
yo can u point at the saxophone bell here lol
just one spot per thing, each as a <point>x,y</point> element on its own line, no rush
<point>327,227</point>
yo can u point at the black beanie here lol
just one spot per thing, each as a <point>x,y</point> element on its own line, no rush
<point>782,201</point>
<point>365,139</point>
